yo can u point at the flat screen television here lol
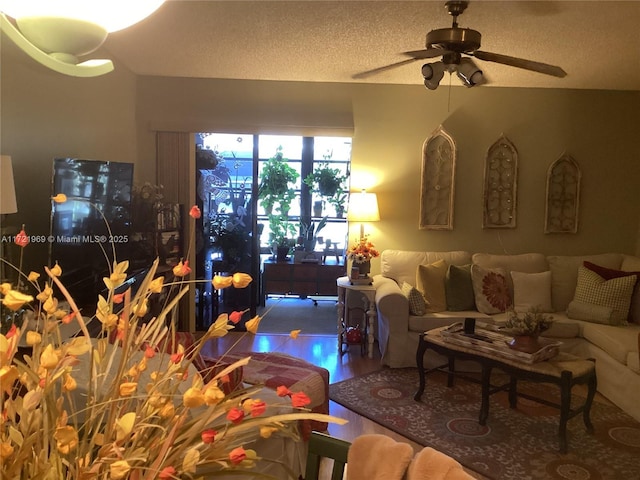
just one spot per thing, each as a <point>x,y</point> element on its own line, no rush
<point>97,192</point>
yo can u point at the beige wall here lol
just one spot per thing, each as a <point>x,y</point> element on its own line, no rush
<point>391,123</point>
<point>45,115</point>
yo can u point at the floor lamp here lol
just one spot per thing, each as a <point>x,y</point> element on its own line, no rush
<point>7,200</point>
<point>363,207</point>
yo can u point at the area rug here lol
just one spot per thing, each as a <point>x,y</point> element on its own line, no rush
<point>519,443</point>
<point>281,315</point>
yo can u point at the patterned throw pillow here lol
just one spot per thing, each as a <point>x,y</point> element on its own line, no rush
<point>614,293</point>
<point>458,288</point>
<point>491,289</point>
<point>417,305</point>
<point>430,283</point>
<point>609,273</point>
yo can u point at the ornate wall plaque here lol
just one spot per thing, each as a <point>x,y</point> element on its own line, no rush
<point>500,185</point>
<point>438,176</point>
<point>563,196</point>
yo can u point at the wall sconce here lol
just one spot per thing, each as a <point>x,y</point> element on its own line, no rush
<point>56,32</point>
<point>363,207</point>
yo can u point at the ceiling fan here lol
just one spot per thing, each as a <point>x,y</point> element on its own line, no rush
<point>455,45</point>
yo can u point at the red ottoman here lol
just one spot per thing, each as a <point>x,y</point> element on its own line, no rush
<point>275,369</point>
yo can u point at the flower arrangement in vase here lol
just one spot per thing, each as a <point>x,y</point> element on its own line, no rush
<point>526,327</point>
<point>361,253</point>
<point>128,403</point>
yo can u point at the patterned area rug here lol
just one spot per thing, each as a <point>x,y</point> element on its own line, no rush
<point>516,444</point>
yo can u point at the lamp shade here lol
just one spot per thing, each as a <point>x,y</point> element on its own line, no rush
<point>112,15</point>
<point>363,207</point>
<point>7,189</point>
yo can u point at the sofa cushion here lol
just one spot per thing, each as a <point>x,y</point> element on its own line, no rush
<point>615,293</point>
<point>589,312</point>
<point>532,291</point>
<point>401,264</point>
<point>490,289</point>
<point>617,341</point>
<point>458,288</point>
<point>430,283</point>
<point>564,275</point>
<point>417,305</point>
<point>525,262</point>
<point>632,264</point>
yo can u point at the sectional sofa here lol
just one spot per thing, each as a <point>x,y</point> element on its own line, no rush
<point>594,301</point>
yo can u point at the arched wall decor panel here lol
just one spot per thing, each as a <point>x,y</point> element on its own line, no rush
<point>500,185</point>
<point>438,181</point>
<point>563,196</point>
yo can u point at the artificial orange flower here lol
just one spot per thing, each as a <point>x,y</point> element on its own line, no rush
<point>156,285</point>
<point>235,317</point>
<point>22,239</point>
<point>6,450</point>
<point>56,271</point>
<point>49,358</point>
<point>14,300</point>
<point>208,436</point>
<point>195,212</point>
<point>252,325</point>
<point>167,473</point>
<point>69,384</point>
<point>266,431</point>
<point>5,287</point>
<point>8,375</point>
<point>128,388</point>
<point>241,280</point>
<point>119,469</point>
<point>33,276</point>
<point>294,333</point>
<point>213,395</point>
<point>59,198</point>
<point>33,338</point>
<point>66,439</point>
<point>219,282</point>
<point>193,398</point>
<point>300,399</point>
<point>235,415</point>
<point>182,269</point>
<point>282,391</point>
<point>237,455</point>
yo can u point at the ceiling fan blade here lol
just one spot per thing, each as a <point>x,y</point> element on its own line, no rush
<point>375,71</point>
<point>428,53</point>
<point>521,63</point>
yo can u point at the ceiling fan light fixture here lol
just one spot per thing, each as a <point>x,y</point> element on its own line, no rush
<point>469,73</point>
<point>432,74</point>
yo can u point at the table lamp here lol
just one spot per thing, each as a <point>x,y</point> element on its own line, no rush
<point>363,207</point>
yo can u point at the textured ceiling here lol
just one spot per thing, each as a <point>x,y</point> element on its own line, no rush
<point>596,42</point>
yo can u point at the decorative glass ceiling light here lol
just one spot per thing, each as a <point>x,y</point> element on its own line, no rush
<point>57,32</point>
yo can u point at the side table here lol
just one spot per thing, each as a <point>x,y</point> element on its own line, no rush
<point>368,293</point>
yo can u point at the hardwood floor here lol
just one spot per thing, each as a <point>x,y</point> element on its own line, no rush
<point>321,351</point>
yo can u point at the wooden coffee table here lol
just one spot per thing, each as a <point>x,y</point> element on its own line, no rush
<point>564,370</point>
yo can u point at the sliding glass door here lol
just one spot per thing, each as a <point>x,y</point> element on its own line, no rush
<point>235,232</point>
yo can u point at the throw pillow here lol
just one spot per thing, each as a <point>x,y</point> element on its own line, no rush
<point>491,289</point>
<point>430,283</point>
<point>417,305</point>
<point>589,312</point>
<point>532,290</point>
<point>458,288</point>
<point>614,293</point>
<point>608,274</point>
